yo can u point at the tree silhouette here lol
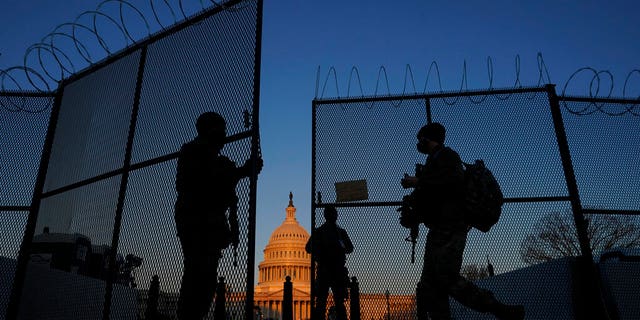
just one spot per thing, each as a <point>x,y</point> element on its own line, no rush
<point>555,236</point>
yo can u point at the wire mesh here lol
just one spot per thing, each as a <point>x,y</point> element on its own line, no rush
<point>514,135</point>
<point>13,224</point>
<point>78,212</point>
<point>617,267</point>
<point>93,125</point>
<point>603,140</point>
<point>21,141</point>
<point>21,145</point>
<point>374,139</point>
<point>64,277</point>
<point>215,74</point>
<point>604,152</point>
<point>178,85</point>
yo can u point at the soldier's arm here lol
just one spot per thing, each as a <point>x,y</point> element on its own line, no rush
<point>348,245</point>
<point>247,167</point>
<point>308,247</point>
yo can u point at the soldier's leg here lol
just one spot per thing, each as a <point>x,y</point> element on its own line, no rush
<point>210,281</point>
<point>482,300</point>
<point>465,291</point>
<point>471,296</point>
<point>339,295</point>
<point>421,302</point>
<point>190,286</point>
<point>432,292</point>
<point>322,293</point>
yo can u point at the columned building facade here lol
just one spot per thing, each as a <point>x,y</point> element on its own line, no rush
<point>284,256</point>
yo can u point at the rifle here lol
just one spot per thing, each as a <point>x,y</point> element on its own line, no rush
<point>409,220</point>
<point>235,230</point>
<point>408,215</point>
<point>413,238</point>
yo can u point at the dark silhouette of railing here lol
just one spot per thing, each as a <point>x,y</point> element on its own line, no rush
<point>152,300</point>
<point>354,299</point>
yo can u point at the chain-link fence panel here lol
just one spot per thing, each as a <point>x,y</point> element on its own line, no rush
<point>178,85</point>
<point>21,140</point>
<point>215,74</point>
<point>111,171</point>
<point>514,135</point>
<point>618,266</point>
<point>24,118</point>
<point>374,139</point>
<point>93,124</point>
<point>603,139</point>
<point>605,153</point>
<point>13,224</point>
<point>366,140</point>
<point>77,211</point>
<point>66,272</point>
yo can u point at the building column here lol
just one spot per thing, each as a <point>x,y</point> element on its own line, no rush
<point>304,310</point>
<point>294,309</point>
<point>308,310</point>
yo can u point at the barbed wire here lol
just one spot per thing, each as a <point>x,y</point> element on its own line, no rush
<point>432,71</point>
<point>596,102</point>
<point>66,60</point>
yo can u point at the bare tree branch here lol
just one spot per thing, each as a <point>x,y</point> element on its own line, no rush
<point>555,236</point>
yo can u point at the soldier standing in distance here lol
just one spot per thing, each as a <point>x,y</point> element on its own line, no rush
<point>330,244</point>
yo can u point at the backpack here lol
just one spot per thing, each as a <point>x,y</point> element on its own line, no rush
<point>483,198</point>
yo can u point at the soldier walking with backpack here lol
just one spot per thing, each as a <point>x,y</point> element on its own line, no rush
<point>329,244</point>
<point>438,201</point>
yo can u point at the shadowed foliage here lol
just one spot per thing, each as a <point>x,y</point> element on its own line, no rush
<point>555,236</point>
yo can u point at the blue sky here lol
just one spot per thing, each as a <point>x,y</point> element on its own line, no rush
<point>301,36</point>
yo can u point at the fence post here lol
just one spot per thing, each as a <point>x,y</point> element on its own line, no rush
<point>589,294</point>
<point>354,299</point>
<point>152,298</point>
<point>219,311</point>
<point>287,300</point>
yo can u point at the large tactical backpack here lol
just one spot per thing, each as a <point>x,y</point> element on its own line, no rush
<point>484,199</point>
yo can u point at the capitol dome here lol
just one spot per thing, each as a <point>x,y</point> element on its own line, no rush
<point>284,256</point>
<point>290,234</point>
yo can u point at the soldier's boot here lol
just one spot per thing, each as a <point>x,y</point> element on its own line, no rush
<point>421,303</point>
<point>507,312</point>
<point>439,316</point>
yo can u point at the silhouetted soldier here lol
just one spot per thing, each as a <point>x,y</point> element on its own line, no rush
<point>206,185</point>
<point>439,197</point>
<point>329,245</point>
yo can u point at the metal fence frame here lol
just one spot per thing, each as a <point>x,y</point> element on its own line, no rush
<point>38,194</point>
<point>594,292</point>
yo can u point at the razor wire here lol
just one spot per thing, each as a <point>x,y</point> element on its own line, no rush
<point>66,60</point>
<point>598,101</point>
<point>595,103</point>
<point>432,71</point>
